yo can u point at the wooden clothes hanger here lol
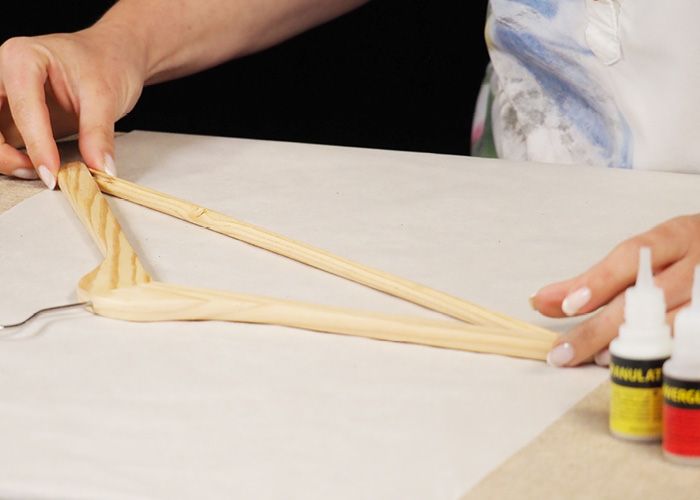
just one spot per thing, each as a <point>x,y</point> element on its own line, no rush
<point>121,288</point>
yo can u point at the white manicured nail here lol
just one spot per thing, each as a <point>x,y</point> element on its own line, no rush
<point>560,355</point>
<point>576,300</point>
<point>25,173</point>
<point>531,300</point>
<point>46,176</point>
<point>108,166</point>
<point>602,358</point>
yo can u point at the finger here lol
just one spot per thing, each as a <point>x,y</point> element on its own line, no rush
<point>593,336</point>
<point>580,344</point>
<point>10,135</point>
<point>671,315</point>
<point>96,131</point>
<point>24,86</point>
<point>677,282</point>
<point>16,163</point>
<point>617,271</point>
<point>602,358</point>
<point>12,161</point>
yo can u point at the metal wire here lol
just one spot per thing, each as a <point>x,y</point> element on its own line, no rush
<point>41,311</point>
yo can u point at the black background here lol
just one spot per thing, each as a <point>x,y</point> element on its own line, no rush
<point>394,74</point>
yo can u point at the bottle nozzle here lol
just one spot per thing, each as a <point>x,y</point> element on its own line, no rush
<point>644,274</point>
<point>645,307</point>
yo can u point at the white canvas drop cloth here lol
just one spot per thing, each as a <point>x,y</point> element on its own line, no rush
<point>97,408</point>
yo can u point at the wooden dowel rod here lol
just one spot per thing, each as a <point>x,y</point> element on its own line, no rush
<point>315,257</point>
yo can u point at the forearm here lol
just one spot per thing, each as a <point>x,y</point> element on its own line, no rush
<point>180,37</point>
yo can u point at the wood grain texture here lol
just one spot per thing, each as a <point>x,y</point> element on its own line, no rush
<point>121,266</point>
<point>120,288</point>
<point>315,257</point>
<point>159,301</point>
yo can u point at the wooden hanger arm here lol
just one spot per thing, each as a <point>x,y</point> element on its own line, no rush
<point>165,302</point>
<point>315,257</point>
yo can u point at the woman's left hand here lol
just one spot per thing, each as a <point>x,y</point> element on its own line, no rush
<point>675,251</point>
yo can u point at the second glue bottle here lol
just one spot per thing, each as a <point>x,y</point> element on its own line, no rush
<point>637,356</point>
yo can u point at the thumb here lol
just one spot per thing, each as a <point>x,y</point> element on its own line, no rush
<point>96,132</point>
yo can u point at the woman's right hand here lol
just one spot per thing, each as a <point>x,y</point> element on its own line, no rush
<point>57,85</point>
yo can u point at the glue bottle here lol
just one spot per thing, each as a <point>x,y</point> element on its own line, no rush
<point>681,441</point>
<point>637,356</point>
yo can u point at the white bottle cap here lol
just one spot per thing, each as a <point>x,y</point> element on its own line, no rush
<point>686,332</point>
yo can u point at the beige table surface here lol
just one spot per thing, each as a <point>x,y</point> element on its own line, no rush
<point>574,458</point>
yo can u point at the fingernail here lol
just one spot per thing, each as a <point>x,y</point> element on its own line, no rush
<point>108,166</point>
<point>560,355</point>
<point>531,300</point>
<point>573,302</point>
<point>602,358</point>
<point>46,176</point>
<point>25,173</point>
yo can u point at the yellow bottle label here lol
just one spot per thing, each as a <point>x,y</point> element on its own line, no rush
<point>636,397</point>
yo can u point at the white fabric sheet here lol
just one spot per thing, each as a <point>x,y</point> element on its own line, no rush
<point>97,408</point>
